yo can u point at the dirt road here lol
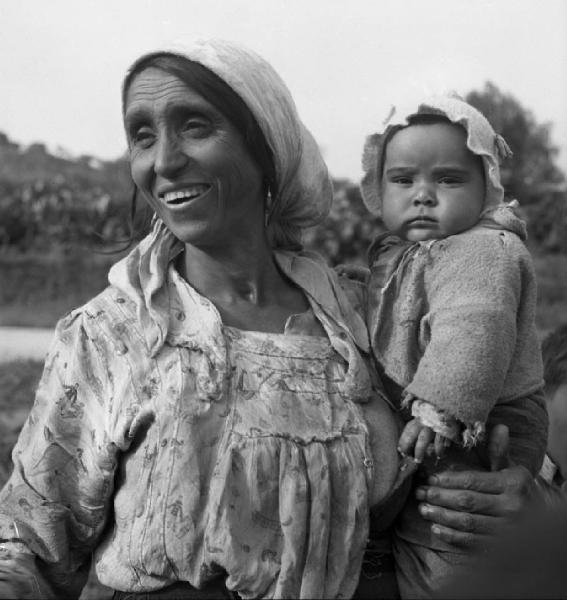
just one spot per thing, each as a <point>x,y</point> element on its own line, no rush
<point>24,343</point>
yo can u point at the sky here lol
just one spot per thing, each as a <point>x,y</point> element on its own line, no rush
<point>345,62</point>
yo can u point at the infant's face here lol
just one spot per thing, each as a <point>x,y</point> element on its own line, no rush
<point>432,184</point>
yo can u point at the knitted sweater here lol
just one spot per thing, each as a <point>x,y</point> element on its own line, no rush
<point>451,321</point>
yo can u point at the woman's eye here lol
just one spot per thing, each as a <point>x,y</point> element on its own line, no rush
<point>197,127</point>
<point>142,137</point>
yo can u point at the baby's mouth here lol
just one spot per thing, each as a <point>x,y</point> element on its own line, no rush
<point>184,195</point>
<point>423,220</point>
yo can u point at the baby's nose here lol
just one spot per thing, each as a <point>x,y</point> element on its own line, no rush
<point>424,196</point>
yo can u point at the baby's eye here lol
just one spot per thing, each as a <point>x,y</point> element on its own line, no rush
<point>451,180</point>
<point>402,180</point>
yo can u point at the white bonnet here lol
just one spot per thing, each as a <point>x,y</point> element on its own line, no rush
<point>481,140</point>
<point>303,191</point>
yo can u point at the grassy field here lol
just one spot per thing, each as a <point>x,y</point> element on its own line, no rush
<point>18,381</point>
<point>37,291</point>
<point>551,270</point>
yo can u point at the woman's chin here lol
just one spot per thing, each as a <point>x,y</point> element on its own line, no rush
<point>194,233</point>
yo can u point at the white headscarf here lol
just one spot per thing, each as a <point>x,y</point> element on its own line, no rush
<point>481,140</point>
<point>303,191</point>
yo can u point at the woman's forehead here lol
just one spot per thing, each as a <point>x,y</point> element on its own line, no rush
<point>155,88</point>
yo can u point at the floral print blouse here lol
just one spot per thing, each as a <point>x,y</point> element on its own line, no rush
<point>219,452</point>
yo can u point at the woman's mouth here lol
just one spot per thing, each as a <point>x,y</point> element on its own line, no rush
<point>187,194</point>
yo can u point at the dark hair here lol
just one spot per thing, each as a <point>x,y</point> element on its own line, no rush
<point>220,95</point>
<point>422,119</point>
<point>554,352</point>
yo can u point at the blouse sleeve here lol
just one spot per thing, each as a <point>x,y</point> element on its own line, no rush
<point>56,501</point>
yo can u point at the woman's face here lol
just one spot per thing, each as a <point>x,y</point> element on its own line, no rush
<point>190,163</point>
<point>432,184</point>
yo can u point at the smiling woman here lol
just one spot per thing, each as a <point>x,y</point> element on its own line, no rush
<point>212,425</point>
<point>202,424</point>
<point>191,163</point>
<point>169,123</point>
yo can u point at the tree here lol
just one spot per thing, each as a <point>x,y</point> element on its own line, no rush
<point>531,175</point>
<point>349,229</point>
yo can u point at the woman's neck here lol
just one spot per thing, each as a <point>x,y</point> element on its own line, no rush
<point>237,272</point>
<point>244,283</point>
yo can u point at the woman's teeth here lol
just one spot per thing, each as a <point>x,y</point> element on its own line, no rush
<point>180,196</point>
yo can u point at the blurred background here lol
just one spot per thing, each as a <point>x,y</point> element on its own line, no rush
<point>65,188</point>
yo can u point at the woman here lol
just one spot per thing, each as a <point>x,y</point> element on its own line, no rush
<point>208,424</point>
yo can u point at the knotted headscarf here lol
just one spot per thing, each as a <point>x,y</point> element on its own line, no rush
<point>303,191</point>
<point>481,140</point>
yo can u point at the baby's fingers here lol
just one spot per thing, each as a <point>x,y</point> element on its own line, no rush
<point>441,444</point>
<point>409,436</point>
<point>424,439</point>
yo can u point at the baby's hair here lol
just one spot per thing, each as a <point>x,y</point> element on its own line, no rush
<point>554,351</point>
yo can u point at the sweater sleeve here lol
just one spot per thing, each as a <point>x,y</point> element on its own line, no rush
<point>468,333</point>
<point>56,501</point>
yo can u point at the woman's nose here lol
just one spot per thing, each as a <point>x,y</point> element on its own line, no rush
<point>170,156</point>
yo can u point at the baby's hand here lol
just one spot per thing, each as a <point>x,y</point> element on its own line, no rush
<point>419,440</point>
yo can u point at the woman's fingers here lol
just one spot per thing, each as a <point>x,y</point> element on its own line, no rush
<point>478,481</point>
<point>466,522</point>
<point>462,539</point>
<point>465,502</point>
<point>461,528</point>
<point>498,444</point>
<point>499,494</point>
<point>466,508</point>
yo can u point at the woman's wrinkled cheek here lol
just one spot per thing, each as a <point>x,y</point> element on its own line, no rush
<point>142,181</point>
<point>148,199</point>
<point>235,162</point>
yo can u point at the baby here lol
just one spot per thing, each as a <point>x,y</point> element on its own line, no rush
<point>451,304</point>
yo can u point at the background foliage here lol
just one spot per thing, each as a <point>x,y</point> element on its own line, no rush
<point>62,219</point>
<point>531,175</point>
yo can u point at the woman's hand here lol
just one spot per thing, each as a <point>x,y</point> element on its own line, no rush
<point>468,508</point>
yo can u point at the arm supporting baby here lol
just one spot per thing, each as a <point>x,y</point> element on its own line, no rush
<point>468,508</point>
